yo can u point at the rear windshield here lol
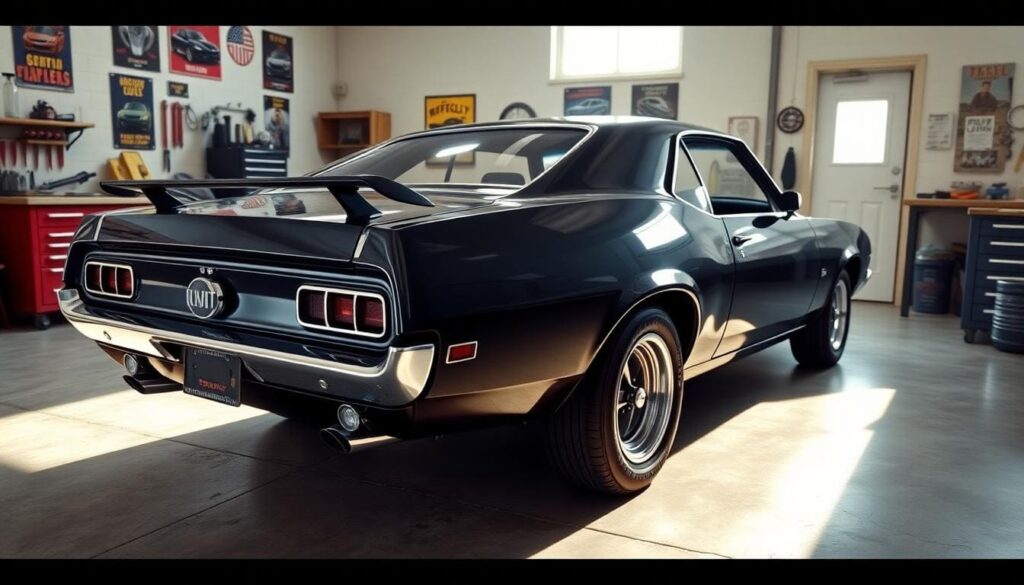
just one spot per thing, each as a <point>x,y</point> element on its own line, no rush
<point>510,157</point>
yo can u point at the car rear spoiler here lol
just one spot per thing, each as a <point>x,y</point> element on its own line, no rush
<point>344,189</point>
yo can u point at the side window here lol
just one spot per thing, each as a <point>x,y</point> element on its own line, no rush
<point>687,184</point>
<point>730,186</point>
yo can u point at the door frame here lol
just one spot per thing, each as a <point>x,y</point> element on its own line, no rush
<point>916,65</point>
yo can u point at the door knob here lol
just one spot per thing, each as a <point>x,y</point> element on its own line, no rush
<point>894,188</point>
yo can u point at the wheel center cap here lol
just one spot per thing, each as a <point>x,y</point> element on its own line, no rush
<point>641,398</point>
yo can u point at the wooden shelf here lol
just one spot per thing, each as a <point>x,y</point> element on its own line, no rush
<point>46,142</point>
<point>374,127</point>
<point>47,123</point>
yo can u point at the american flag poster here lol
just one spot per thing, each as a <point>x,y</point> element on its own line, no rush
<point>241,45</point>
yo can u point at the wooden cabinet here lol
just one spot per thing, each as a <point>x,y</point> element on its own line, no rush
<point>348,132</point>
<point>35,234</point>
<point>995,252</point>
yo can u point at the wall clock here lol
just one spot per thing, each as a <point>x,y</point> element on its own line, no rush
<point>790,120</point>
<point>517,111</point>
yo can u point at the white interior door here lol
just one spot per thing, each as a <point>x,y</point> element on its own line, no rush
<point>859,152</point>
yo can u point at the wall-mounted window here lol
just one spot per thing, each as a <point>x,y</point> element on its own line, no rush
<point>615,52</point>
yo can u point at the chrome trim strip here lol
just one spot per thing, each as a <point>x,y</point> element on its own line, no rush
<point>1008,226</point>
<point>1004,261</point>
<point>1013,278</point>
<point>449,351</point>
<point>355,294</point>
<point>85,278</point>
<point>398,380</point>
<point>1008,244</point>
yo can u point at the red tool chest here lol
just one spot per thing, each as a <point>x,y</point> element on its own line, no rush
<point>35,234</point>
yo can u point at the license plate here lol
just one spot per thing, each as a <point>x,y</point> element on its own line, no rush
<point>213,375</point>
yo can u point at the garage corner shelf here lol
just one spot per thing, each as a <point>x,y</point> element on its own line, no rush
<point>369,127</point>
<point>69,128</point>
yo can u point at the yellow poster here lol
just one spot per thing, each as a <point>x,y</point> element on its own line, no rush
<point>447,110</point>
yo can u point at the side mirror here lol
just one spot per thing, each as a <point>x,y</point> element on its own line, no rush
<point>788,201</point>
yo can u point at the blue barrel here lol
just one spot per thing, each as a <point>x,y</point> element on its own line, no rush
<point>1008,317</point>
<point>933,277</point>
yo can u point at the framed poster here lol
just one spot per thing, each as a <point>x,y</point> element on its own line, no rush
<point>983,136</point>
<point>744,128</point>
<point>177,89</point>
<point>278,59</point>
<point>658,100</point>
<point>195,50</point>
<point>449,110</point>
<point>131,112</point>
<point>276,120</point>
<point>588,101</point>
<point>42,57</point>
<point>136,47</point>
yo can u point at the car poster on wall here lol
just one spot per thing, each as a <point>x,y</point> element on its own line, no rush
<point>277,62</point>
<point>195,50</point>
<point>658,100</point>
<point>276,120</point>
<point>983,136</point>
<point>42,57</point>
<point>131,109</point>
<point>137,47</point>
<point>588,101</point>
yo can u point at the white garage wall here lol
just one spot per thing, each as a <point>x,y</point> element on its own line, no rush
<point>93,60</point>
<point>948,50</point>
<point>725,72</point>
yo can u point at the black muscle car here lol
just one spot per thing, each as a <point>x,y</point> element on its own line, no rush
<point>577,270</point>
<point>194,47</point>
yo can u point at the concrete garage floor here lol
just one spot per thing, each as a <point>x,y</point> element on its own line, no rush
<point>912,447</point>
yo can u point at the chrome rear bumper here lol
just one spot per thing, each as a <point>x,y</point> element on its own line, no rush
<point>396,381</point>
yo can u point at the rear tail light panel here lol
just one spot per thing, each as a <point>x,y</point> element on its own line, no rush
<point>105,279</point>
<point>353,312</point>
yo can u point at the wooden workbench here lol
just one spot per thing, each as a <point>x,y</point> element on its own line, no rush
<point>916,207</point>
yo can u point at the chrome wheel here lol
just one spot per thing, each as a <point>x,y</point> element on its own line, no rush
<point>644,400</point>
<point>840,315</point>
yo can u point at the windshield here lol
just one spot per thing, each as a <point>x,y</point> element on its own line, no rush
<point>496,156</point>
<point>192,35</point>
<point>280,55</point>
<point>43,30</point>
<point>135,106</point>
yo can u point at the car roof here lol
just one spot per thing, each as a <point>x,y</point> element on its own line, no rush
<point>597,122</point>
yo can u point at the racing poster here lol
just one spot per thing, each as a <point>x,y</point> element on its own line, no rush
<point>449,110</point>
<point>276,120</point>
<point>131,110</point>
<point>137,47</point>
<point>983,136</point>
<point>278,56</point>
<point>195,50</point>
<point>588,101</point>
<point>658,100</point>
<point>42,57</point>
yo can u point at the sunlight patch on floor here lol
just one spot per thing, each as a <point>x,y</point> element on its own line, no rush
<point>43,439</point>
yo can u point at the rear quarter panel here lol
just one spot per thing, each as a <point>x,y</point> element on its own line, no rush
<point>838,242</point>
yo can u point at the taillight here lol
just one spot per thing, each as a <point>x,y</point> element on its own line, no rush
<point>371,314</point>
<point>343,308</point>
<point>311,307</point>
<point>349,311</point>
<point>112,280</point>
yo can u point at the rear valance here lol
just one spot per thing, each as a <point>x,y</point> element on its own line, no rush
<point>344,189</point>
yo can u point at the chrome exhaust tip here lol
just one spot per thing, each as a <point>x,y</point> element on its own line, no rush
<point>335,437</point>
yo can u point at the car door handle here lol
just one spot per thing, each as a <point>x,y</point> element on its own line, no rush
<point>740,240</point>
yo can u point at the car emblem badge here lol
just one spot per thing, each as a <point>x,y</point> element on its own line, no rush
<point>204,298</point>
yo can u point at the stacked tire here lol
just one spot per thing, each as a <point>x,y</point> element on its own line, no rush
<point>1008,317</point>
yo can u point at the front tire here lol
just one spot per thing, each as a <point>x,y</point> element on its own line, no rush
<point>616,431</point>
<point>821,343</point>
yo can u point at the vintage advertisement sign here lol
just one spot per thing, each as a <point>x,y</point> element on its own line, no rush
<point>983,135</point>
<point>42,57</point>
<point>449,110</point>
<point>131,110</point>
<point>137,47</point>
<point>276,120</point>
<point>195,50</point>
<point>277,62</point>
<point>658,100</point>
<point>177,89</point>
<point>588,101</point>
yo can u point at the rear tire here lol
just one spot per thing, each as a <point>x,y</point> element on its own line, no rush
<point>616,431</point>
<point>821,343</point>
